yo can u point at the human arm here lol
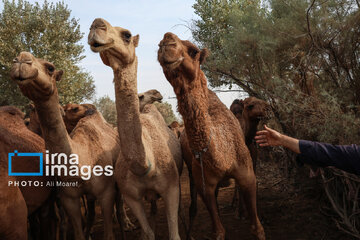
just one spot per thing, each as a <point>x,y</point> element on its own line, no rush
<point>270,137</point>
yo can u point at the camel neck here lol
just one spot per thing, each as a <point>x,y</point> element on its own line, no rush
<point>250,127</point>
<point>194,108</point>
<point>52,125</point>
<point>128,115</point>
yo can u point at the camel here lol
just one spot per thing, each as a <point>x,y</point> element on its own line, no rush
<point>150,160</point>
<point>32,121</point>
<point>212,133</point>
<point>92,140</point>
<point>149,97</point>
<point>13,210</point>
<point>249,112</point>
<point>177,128</point>
<point>75,112</point>
<point>14,135</point>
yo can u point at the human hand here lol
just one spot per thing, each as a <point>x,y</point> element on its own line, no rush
<point>268,137</point>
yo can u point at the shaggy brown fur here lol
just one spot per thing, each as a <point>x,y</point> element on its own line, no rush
<point>210,128</point>
<point>93,140</point>
<point>15,136</point>
<point>150,151</point>
<point>149,97</point>
<point>13,210</point>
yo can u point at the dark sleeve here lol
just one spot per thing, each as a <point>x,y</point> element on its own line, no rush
<point>346,158</point>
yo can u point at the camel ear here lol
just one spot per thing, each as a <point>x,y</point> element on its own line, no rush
<point>62,111</point>
<point>104,59</point>
<point>136,40</point>
<point>58,75</point>
<point>203,55</point>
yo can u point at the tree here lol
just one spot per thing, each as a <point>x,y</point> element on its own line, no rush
<point>107,108</point>
<point>304,58</point>
<point>48,32</point>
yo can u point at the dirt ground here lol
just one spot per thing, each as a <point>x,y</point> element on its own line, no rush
<point>288,210</point>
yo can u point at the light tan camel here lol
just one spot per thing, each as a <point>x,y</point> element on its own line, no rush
<point>213,133</point>
<point>90,140</point>
<point>149,97</point>
<point>73,114</point>
<point>13,210</point>
<point>150,151</point>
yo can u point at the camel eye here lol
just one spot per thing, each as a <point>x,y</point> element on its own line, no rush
<point>75,109</point>
<point>250,107</point>
<point>50,68</point>
<point>127,36</point>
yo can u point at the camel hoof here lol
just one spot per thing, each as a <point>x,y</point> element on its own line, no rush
<point>128,225</point>
<point>258,232</point>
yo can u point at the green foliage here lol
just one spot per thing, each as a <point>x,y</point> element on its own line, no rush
<point>166,111</point>
<point>303,57</point>
<point>48,32</point>
<point>310,74</point>
<point>107,108</point>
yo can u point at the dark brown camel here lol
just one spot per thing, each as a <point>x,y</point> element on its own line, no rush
<point>249,112</point>
<point>213,134</point>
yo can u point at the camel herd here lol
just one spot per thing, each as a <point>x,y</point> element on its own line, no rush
<point>145,154</point>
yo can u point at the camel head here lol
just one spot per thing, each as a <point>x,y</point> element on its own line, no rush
<point>116,45</point>
<point>36,77</point>
<point>178,56</point>
<point>255,109</point>
<point>75,112</point>
<point>149,97</point>
<point>237,108</point>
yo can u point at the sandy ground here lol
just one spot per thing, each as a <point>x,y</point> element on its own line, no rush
<point>289,209</point>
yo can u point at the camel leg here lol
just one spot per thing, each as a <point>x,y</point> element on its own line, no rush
<point>193,204</point>
<point>171,198</point>
<point>137,207</point>
<point>247,184</point>
<point>209,199</point>
<point>90,216</point>
<point>107,209</point>
<point>153,213</point>
<point>72,209</point>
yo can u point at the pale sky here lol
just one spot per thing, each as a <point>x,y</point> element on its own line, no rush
<point>151,19</point>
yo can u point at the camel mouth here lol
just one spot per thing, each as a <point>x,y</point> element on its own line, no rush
<point>21,79</point>
<point>172,64</point>
<point>99,47</point>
